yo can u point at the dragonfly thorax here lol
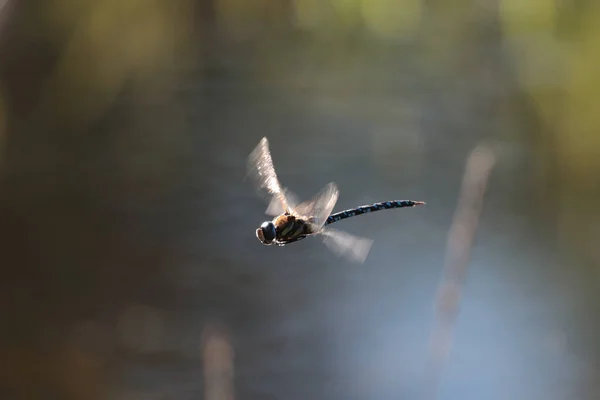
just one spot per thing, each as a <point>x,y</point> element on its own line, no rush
<point>266,233</point>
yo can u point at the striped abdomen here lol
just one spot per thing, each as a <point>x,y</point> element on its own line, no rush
<point>386,205</point>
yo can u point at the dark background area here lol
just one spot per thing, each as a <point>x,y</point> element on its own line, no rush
<point>127,224</point>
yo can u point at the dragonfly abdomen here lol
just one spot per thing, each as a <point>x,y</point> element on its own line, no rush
<point>385,205</point>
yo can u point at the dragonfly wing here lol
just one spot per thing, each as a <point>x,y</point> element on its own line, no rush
<point>276,206</point>
<point>319,207</point>
<point>262,172</point>
<point>346,245</point>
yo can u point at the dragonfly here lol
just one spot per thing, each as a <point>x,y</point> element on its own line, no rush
<point>294,220</point>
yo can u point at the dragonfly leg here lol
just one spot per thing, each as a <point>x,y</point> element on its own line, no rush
<point>292,240</point>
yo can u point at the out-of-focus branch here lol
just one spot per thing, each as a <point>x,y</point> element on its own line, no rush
<point>460,241</point>
<point>217,357</point>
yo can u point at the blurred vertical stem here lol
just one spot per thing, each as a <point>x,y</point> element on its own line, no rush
<point>460,241</point>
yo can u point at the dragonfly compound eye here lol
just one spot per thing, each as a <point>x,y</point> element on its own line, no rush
<point>266,232</point>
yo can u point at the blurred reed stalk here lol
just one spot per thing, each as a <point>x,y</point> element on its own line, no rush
<point>217,357</point>
<point>460,241</point>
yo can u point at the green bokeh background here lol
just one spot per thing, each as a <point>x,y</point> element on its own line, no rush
<point>127,224</point>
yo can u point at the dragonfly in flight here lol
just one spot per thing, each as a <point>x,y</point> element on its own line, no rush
<point>294,220</point>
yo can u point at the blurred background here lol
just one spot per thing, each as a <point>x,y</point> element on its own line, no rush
<point>130,267</point>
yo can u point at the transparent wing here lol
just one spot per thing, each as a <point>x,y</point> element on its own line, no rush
<point>346,245</point>
<point>276,206</point>
<point>262,172</point>
<point>319,207</point>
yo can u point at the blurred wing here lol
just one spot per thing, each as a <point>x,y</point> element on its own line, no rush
<point>319,207</point>
<point>276,207</point>
<point>346,245</point>
<point>262,172</point>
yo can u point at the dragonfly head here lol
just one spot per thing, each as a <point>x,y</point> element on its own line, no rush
<point>266,233</point>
